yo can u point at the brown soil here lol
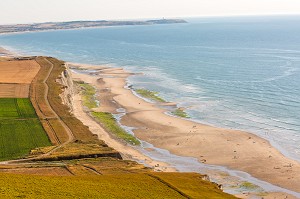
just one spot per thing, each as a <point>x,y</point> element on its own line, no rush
<point>14,90</point>
<point>21,72</point>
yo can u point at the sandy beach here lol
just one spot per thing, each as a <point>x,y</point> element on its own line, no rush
<point>126,151</point>
<point>231,148</point>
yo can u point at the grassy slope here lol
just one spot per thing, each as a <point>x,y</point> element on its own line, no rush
<point>20,129</point>
<point>107,186</point>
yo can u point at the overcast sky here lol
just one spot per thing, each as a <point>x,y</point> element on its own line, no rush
<point>27,11</point>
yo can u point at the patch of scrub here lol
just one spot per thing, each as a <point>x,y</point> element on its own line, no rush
<point>152,95</point>
<point>180,113</point>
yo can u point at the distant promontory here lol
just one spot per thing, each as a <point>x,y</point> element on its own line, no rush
<point>80,24</point>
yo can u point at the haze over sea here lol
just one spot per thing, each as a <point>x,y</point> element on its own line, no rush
<point>239,72</point>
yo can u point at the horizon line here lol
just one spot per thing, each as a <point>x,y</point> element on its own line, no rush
<point>156,18</point>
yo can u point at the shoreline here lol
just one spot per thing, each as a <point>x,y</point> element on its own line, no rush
<point>126,151</point>
<point>108,76</point>
<point>114,80</point>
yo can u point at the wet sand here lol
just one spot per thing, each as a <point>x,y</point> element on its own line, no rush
<point>211,145</point>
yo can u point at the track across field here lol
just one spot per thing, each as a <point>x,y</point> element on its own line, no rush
<point>20,129</point>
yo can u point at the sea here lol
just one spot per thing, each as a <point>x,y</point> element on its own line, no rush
<point>233,72</point>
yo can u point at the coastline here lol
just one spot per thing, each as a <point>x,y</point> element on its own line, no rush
<point>214,146</point>
<point>112,82</point>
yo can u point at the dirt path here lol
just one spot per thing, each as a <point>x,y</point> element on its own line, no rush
<point>71,136</point>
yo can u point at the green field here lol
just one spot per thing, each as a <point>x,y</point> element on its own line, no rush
<point>20,129</point>
<point>16,108</point>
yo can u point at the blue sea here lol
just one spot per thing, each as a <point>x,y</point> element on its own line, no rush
<point>234,72</point>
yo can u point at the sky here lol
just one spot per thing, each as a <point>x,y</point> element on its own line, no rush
<point>29,11</point>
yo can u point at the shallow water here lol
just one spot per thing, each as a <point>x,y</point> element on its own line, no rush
<point>241,73</point>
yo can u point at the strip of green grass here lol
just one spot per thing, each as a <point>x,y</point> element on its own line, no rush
<point>111,125</point>
<point>149,95</point>
<point>88,95</point>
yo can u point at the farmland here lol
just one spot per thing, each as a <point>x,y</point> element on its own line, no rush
<point>108,186</point>
<point>20,129</point>
<point>16,108</point>
<point>16,77</point>
<point>21,72</point>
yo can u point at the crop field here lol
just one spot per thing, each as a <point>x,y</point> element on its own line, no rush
<point>20,129</point>
<point>16,108</point>
<point>110,186</point>
<point>14,90</point>
<point>20,72</point>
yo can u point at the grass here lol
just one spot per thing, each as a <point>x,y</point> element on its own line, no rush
<point>88,95</point>
<point>108,165</point>
<point>109,123</point>
<point>81,150</point>
<point>12,108</point>
<point>20,129</point>
<point>149,95</point>
<point>109,186</point>
<point>180,113</point>
<point>18,137</point>
<point>249,186</point>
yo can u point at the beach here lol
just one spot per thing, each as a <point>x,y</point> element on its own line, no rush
<point>210,145</point>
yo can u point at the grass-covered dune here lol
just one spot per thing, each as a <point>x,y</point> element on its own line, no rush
<point>154,185</point>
